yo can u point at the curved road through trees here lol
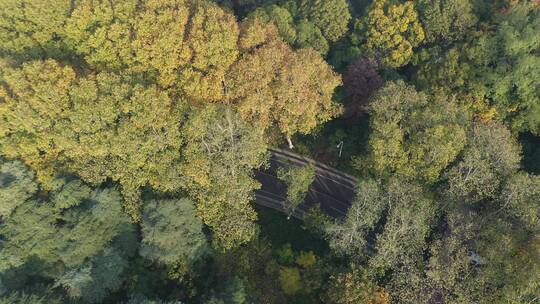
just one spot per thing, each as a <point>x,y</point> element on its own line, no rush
<point>332,189</point>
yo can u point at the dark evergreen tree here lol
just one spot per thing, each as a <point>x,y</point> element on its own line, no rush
<point>171,232</point>
<point>79,238</point>
<point>16,186</point>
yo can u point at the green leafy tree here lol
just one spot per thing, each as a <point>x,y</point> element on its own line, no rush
<point>213,37</point>
<point>386,228</point>
<point>400,244</point>
<point>494,203</point>
<point>521,198</point>
<point>511,254</point>
<point>330,16</point>
<point>171,232</point>
<point>350,236</point>
<point>298,180</point>
<point>414,134</point>
<point>346,50</point>
<point>291,280</point>
<point>122,126</point>
<point>391,30</point>
<point>450,272</point>
<point>407,226</point>
<point>29,298</point>
<point>309,35</point>
<point>302,33</point>
<point>446,21</point>
<point>94,280</point>
<point>220,152</point>
<point>302,93</point>
<point>32,224</point>
<point>160,43</point>
<point>189,45</point>
<point>406,211</point>
<point>503,62</point>
<point>16,186</point>
<point>491,156</point>
<point>83,246</point>
<point>442,69</point>
<point>280,17</point>
<point>451,71</point>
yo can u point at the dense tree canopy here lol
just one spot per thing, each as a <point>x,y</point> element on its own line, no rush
<point>137,136</point>
<point>355,286</point>
<point>392,30</point>
<point>414,135</point>
<point>17,185</point>
<point>79,237</point>
<point>504,61</point>
<point>309,35</point>
<point>122,114</point>
<point>491,156</point>
<point>220,152</point>
<point>33,28</point>
<point>171,232</point>
<point>291,90</point>
<point>330,16</point>
<point>92,126</point>
<point>306,23</point>
<point>281,18</point>
<point>446,21</point>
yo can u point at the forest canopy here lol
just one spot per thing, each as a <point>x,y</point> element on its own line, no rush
<point>136,138</point>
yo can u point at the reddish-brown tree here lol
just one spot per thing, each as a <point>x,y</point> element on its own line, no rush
<point>360,81</point>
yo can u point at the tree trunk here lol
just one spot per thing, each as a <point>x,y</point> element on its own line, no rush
<point>290,142</point>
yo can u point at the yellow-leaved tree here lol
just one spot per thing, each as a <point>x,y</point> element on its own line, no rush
<point>290,90</point>
<point>392,30</point>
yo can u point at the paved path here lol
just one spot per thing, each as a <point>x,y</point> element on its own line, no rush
<point>332,189</point>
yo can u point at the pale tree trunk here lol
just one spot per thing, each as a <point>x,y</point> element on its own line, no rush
<point>289,141</point>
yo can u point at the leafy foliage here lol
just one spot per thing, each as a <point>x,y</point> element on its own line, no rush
<point>309,35</point>
<point>82,245</point>
<point>290,280</point>
<point>32,29</point>
<point>355,286</point>
<point>491,156</point>
<point>103,103</point>
<point>172,232</point>
<point>330,16</point>
<point>16,186</point>
<point>414,134</point>
<point>351,235</point>
<point>92,126</point>
<point>391,31</point>
<point>446,21</point>
<point>220,152</point>
<point>292,90</point>
<point>504,62</point>
<point>281,18</point>
<point>114,106</point>
<point>298,180</point>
